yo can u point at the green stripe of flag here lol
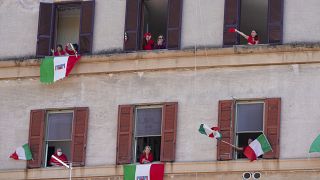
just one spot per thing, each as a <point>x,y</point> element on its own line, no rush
<point>46,70</point>
<point>27,151</point>
<point>129,172</point>
<point>265,146</point>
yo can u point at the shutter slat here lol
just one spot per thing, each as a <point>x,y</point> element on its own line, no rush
<point>133,12</point>
<point>86,26</point>
<point>124,137</point>
<point>231,20</point>
<point>169,129</point>
<point>275,21</point>
<point>226,124</point>
<point>36,134</point>
<point>174,24</point>
<point>45,29</point>
<point>79,136</point>
<point>272,126</point>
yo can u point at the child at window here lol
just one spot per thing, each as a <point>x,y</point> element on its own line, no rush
<point>146,156</point>
<point>252,39</point>
<point>161,44</point>
<point>59,51</point>
<point>74,49</point>
<point>148,43</point>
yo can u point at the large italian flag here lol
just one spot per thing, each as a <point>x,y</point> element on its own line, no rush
<point>55,68</point>
<point>143,172</point>
<point>23,153</point>
<point>257,147</point>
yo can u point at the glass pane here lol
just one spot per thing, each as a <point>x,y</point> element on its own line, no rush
<point>148,122</point>
<point>59,126</point>
<point>249,117</point>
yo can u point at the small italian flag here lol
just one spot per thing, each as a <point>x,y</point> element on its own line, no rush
<point>257,147</point>
<point>143,172</point>
<point>55,68</point>
<point>210,132</point>
<point>22,153</point>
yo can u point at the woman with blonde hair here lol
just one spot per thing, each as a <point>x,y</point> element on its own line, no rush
<point>146,156</point>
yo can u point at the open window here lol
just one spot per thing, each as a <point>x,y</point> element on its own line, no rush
<point>65,22</point>
<point>153,125</point>
<point>240,120</point>
<point>159,17</point>
<point>263,16</point>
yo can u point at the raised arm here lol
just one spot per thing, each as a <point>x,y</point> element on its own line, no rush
<point>242,34</point>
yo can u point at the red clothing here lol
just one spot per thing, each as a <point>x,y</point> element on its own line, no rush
<point>61,53</point>
<point>148,45</point>
<point>252,41</point>
<point>143,156</point>
<point>62,158</point>
<point>70,52</point>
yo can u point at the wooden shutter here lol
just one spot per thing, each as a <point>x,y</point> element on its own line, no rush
<point>226,125</point>
<point>36,134</point>
<point>45,29</point>
<point>79,136</point>
<point>231,20</point>
<point>133,13</point>
<point>174,24</point>
<point>272,126</point>
<point>124,137</point>
<point>86,26</point>
<point>169,131</point>
<point>275,21</point>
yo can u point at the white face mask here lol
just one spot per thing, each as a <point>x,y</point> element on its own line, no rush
<point>59,153</point>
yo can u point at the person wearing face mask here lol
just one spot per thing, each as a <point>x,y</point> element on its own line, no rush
<point>60,156</point>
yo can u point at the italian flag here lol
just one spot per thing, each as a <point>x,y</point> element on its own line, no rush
<point>210,132</point>
<point>23,153</point>
<point>257,147</point>
<point>55,68</point>
<point>143,172</point>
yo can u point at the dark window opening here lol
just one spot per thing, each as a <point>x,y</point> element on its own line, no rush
<point>155,144</point>
<point>254,16</point>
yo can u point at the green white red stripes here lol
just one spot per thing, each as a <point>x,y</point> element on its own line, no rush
<point>143,172</point>
<point>257,147</point>
<point>23,153</point>
<point>55,68</point>
<point>210,132</point>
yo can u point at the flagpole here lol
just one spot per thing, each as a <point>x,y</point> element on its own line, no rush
<point>64,164</point>
<point>228,143</point>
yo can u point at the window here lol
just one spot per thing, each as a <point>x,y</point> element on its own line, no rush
<point>264,16</point>
<point>159,17</point>
<point>64,22</point>
<point>240,120</point>
<point>49,130</point>
<point>153,125</point>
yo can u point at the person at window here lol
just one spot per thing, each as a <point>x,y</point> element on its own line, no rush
<point>73,50</point>
<point>59,51</point>
<point>146,156</point>
<point>252,39</point>
<point>60,156</point>
<point>244,147</point>
<point>161,44</point>
<point>148,43</point>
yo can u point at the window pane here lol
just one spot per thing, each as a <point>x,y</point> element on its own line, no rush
<point>249,117</point>
<point>148,122</point>
<point>59,126</point>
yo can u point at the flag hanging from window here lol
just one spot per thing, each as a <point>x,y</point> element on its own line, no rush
<point>143,172</point>
<point>22,153</point>
<point>257,147</point>
<point>210,132</point>
<point>54,68</point>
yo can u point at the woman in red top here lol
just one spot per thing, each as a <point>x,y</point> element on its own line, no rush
<point>60,156</point>
<point>148,43</point>
<point>59,51</point>
<point>73,51</point>
<point>253,39</point>
<point>146,156</point>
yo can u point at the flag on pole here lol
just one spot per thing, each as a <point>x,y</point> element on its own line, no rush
<point>210,132</point>
<point>315,146</point>
<point>22,153</point>
<point>54,68</point>
<point>257,147</point>
<point>143,172</point>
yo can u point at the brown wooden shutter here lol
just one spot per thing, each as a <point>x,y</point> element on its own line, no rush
<point>36,134</point>
<point>132,26</point>
<point>169,131</point>
<point>124,137</point>
<point>174,24</point>
<point>272,126</point>
<point>79,136</point>
<point>231,20</point>
<point>86,26</point>
<point>226,125</point>
<point>45,29</point>
<point>275,19</point>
